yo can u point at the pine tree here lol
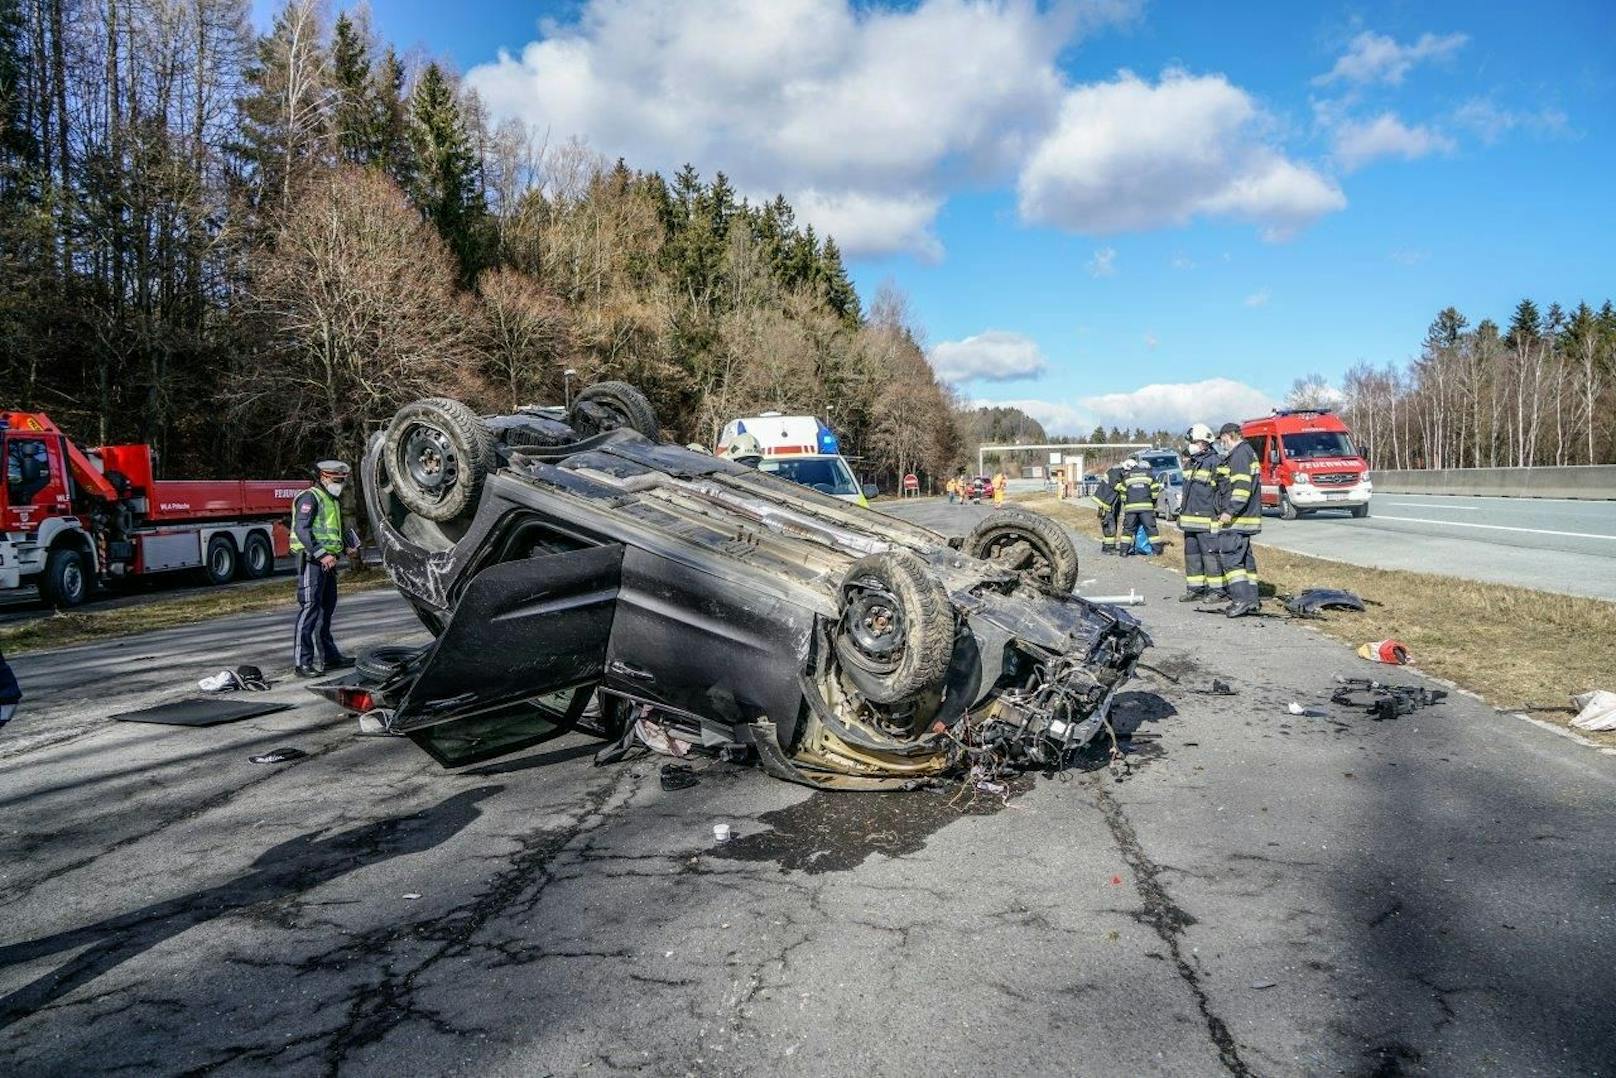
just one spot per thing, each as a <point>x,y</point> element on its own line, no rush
<point>838,290</point>
<point>392,136</point>
<point>446,188</point>
<point>358,121</point>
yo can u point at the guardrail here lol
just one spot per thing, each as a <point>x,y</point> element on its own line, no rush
<point>1590,481</point>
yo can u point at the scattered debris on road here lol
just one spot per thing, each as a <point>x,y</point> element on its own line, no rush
<point>202,712</point>
<point>1308,712</point>
<point>1597,710</point>
<point>1384,702</point>
<point>678,777</point>
<point>1310,602</point>
<point>278,756</point>
<point>1391,652</point>
<point>250,678</point>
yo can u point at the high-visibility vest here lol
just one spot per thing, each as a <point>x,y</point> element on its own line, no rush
<point>327,525</point>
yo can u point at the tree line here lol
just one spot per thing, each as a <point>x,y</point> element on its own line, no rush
<point>1541,391</point>
<point>250,249</point>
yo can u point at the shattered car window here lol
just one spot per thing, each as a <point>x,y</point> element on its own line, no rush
<point>829,475</point>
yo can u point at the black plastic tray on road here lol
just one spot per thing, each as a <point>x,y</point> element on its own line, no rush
<point>202,712</point>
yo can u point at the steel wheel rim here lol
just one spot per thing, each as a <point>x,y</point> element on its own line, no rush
<point>874,624</point>
<point>430,460</point>
<point>219,560</point>
<point>72,581</point>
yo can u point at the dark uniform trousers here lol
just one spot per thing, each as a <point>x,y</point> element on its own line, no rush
<point>316,602</point>
<point>1239,565</point>
<point>1203,562</point>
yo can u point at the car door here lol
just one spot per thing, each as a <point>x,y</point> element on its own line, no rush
<point>522,628</point>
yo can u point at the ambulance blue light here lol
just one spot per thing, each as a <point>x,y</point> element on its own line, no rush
<point>827,441</point>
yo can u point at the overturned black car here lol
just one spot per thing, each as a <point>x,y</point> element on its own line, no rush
<point>566,558</point>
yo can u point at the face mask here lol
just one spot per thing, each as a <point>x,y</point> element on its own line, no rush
<point>333,487</point>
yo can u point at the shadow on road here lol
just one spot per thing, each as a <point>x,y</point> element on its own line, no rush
<point>293,867</point>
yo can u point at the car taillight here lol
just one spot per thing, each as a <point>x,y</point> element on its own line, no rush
<point>360,700</point>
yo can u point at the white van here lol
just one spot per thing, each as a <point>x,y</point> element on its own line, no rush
<point>800,448</point>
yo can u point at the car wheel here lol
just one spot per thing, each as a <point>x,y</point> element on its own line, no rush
<point>612,406</point>
<point>1029,542</point>
<point>63,583</point>
<point>257,557</point>
<point>220,564</point>
<point>896,633</point>
<point>1360,511</point>
<point>1287,508</point>
<point>438,452</point>
<point>380,664</point>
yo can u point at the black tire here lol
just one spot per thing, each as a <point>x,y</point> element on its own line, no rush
<point>219,565</point>
<point>897,630</point>
<point>64,584</point>
<point>438,453</point>
<point>257,557</point>
<point>1287,508</point>
<point>1361,511</point>
<point>1029,542</point>
<point>612,406</point>
<point>379,664</point>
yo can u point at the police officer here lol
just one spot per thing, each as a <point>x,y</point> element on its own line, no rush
<point>317,538</point>
<point>1198,519</point>
<point>1110,504</point>
<point>1138,490</point>
<point>1239,518</point>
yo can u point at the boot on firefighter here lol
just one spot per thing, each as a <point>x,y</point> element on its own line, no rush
<point>1198,520</point>
<point>1137,492</point>
<point>1239,519</point>
<point>318,536</point>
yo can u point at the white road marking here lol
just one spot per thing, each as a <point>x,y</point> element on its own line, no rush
<point>1497,527</point>
<point>1455,508</point>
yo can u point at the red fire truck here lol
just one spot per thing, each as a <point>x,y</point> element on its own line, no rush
<point>72,517</point>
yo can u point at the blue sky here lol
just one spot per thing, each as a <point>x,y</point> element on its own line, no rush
<point>1085,199</point>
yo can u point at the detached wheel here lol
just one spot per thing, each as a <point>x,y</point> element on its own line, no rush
<point>438,453</point>
<point>380,664</point>
<point>257,557</point>
<point>1287,508</point>
<point>896,634</point>
<point>609,406</point>
<point>63,583</point>
<point>1028,542</point>
<point>220,564</point>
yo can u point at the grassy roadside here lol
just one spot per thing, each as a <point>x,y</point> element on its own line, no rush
<point>78,627</point>
<point>1518,648</point>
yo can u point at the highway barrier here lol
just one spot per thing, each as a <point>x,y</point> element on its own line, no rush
<point>1592,481</point>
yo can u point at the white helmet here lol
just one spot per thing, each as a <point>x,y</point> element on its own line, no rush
<point>744,449</point>
<point>1130,463</point>
<point>1199,432</point>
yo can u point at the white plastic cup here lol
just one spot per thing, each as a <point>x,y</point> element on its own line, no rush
<point>720,832</point>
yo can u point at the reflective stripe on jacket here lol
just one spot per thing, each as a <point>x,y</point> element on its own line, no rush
<point>1199,511</point>
<point>1240,489</point>
<point>1105,493</point>
<point>1138,490</point>
<point>318,531</point>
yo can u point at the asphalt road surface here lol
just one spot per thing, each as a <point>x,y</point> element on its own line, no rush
<point>1560,546</point>
<point>1262,894</point>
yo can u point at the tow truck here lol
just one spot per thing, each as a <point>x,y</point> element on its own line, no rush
<point>72,518</point>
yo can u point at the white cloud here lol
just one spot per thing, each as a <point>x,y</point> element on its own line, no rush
<point>1057,419</point>
<point>1491,123</point>
<point>993,356</point>
<point>849,110</point>
<point>1372,57</point>
<point>1128,154</point>
<point>1104,263</point>
<point>1361,141</point>
<point>1258,298</point>
<point>1150,340</point>
<point>1182,261</point>
<point>1175,405</point>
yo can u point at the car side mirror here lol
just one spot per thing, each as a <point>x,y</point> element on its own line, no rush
<point>870,490</point>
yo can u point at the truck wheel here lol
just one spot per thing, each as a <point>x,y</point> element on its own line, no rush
<point>1361,511</point>
<point>612,406</point>
<point>438,453</point>
<point>63,583</point>
<point>220,565</point>
<point>257,557</point>
<point>1029,542</point>
<point>896,634</point>
<point>1287,508</point>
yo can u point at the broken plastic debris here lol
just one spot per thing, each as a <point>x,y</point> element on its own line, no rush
<point>1263,984</point>
<point>720,832</point>
<point>411,896</point>
<point>278,756</point>
<point>1393,652</point>
<point>1312,600</point>
<point>1598,710</point>
<point>1311,712</point>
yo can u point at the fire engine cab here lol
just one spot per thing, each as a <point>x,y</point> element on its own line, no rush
<point>72,517</point>
<point>1308,462</point>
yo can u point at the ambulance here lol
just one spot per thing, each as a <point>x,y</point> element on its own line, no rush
<point>800,448</point>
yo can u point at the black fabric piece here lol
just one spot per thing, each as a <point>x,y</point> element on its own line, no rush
<point>678,777</point>
<point>1312,600</point>
<point>202,712</point>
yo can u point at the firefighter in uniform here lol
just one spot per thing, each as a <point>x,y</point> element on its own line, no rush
<point>1110,504</point>
<point>317,538</point>
<point>1239,518</point>
<point>1138,490</point>
<point>1198,519</point>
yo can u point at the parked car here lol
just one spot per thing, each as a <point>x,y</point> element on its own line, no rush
<point>563,555</point>
<point>981,487</point>
<point>1171,498</point>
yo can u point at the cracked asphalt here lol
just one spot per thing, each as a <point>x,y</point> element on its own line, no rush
<point>1261,894</point>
